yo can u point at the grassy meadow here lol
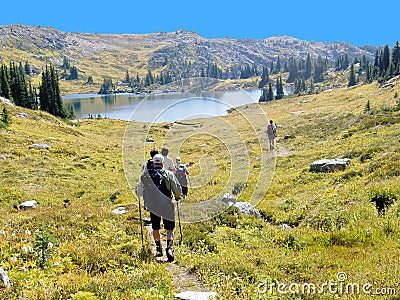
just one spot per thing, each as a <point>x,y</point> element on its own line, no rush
<point>316,228</point>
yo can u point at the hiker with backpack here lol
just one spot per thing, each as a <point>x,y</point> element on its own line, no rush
<point>160,185</point>
<point>182,174</point>
<point>168,162</point>
<point>271,134</point>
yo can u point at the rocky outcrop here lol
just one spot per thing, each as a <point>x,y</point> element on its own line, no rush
<point>330,165</point>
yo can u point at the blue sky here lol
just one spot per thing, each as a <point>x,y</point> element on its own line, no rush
<point>327,21</point>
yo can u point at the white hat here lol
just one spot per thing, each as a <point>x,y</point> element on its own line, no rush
<point>158,159</point>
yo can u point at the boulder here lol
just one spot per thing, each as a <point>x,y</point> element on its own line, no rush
<point>22,115</point>
<point>4,278</point>
<point>227,198</point>
<point>30,204</point>
<point>330,165</point>
<point>120,210</point>
<point>247,209</point>
<point>189,295</point>
<point>6,101</point>
<point>40,146</point>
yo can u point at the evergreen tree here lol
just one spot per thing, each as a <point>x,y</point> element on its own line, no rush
<point>385,61</point>
<point>90,80</point>
<point>396,58</point>
<point>308,67</point>
<point>107,86</point>
<point>73,73</point>
<point>49,94</point>
<point>278,65</point>
<point>293,70</point>
<point>127,77</point>
<point>149,80</point>
<point>5,83</point>
<point>264,77</point>
<point>352,76</point>
<point>65,64</point>
<point>27,68</point>
<point>270,95</point>
<point>5,118</point>
<point>279,89</point>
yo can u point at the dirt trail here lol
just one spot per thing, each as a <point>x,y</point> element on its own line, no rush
<point>182,278</point>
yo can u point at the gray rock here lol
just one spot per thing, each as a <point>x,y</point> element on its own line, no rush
<point>22,115</point>
<point>2,157</point>
<point>149,140</point>
<point>247,209</point>
<point>120,210</point>
<point>30,204</point>
<point>40,146</point>
<point>189,295</point>
<point>6,101</point>
<point>227,198</point>
<point>4,278</point>
<point>329,165</point>
<point>285,226</point>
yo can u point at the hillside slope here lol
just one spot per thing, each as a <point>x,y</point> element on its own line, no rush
<point>315,227</point>
<point>183,52</point>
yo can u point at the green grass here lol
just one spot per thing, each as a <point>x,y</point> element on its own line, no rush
<point>334,226</point>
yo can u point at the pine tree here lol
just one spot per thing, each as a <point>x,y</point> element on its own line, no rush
<point>270,95</point>
<point>308,67</point>
<point>127,77</point>
<point>396,58</point>
<point>65,64</point>
<point>352,76</point>
<point>5,117</point>
<point>27,68</point>
<point>264,77</point>
<point>5,83</point>
<point>278,65</point>
<point>107,86</point>
<point>49,94</point>
<point>385,61</point>
<point>73,73</point>
<point>279,88</point>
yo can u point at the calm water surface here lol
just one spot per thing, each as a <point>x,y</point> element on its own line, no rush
<point>158,108</point>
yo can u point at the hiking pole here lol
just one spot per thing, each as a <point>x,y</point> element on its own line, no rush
<point>179,222</point>
<point>140,215</point>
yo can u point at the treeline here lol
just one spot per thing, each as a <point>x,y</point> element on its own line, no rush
<point>303,74</point>
<point>15,85</point>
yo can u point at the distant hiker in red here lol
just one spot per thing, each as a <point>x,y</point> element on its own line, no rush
<point>271,134</point>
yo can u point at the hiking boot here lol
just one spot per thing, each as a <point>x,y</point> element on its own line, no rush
<point>159,251</point>
<point>170,255</point>
<point>169,252</point>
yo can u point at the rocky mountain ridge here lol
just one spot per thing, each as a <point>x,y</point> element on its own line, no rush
<point>189,45</point>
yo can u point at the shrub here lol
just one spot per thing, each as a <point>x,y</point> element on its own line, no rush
<point>383,199</point>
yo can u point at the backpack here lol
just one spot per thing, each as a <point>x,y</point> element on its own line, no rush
<point>155,191</point>
<point>271,130</point>
<point>181,175</point>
